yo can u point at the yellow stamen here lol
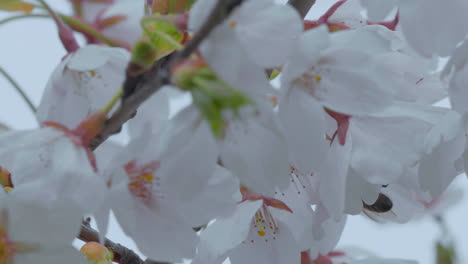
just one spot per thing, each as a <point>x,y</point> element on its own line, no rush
<point>261,228</point>
<point>318,78</point>
<point>147,177</point>
<point>233,24</point>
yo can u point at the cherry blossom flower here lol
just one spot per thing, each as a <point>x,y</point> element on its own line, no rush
<point>156,200</point>
<point>83,83</point>
<point>439,18</point>
<point>57,157</point>
<point>31,232</point>
<point>249,234</point>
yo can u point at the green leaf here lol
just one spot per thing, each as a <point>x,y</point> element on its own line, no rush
<point>16,5</point>
<point>144,54</point>
<point>163,34</point>
<point>445,254</point>
<point>209,110</point>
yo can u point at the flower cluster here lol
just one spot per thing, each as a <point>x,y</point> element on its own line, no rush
<point>291,125</point>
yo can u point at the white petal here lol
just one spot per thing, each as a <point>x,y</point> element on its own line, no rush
<point>444,146</point>
<point>419,19</point>
<point>92,57</point>
<point>306,52</point>
<point>333,178</point>
<point>382,150</point>
<point>216,199</point>
<point>257,154</point>
<point>359,191</point>
<point>226,233</point>
<point>184,182</point>
<point>283,249</point>
<point>378,10</point>
<point>268,31</point>
<point>152,115</point>
<point>241,72</point>
<point>347,88</point>
<point>303,121</point>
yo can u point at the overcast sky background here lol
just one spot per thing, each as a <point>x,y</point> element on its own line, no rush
<point>29,51</point>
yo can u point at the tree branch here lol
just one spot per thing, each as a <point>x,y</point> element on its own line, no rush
<point>302,6</point>
<point>122,254</point>
<point>159,74</point>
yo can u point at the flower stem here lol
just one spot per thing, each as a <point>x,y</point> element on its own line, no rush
<point>113,101</point>
<point>85,28</point>
<point>18,89</point>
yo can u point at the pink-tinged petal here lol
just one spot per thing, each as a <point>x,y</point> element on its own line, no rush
<point>226,233</point>
<point>275,249</point>
<point>419,20</point>
<point>278,204</point>
<point>267,31</point>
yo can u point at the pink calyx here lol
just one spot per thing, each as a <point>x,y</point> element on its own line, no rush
<point>342,122</point>
<point>84,133</point>
<point>248,195</point>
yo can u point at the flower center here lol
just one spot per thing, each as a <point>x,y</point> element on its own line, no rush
<point>142,181</point>
<point>233,24</point>
<point>265,223</point>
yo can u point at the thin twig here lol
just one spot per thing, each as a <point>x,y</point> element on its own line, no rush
<point>159,74</point>
<point>302,6</point>
<point>122,254</point>
<point>18,88</point>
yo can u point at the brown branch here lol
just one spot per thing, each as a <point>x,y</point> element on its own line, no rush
<point>302,6</point>
<point>159,74</point>
<point>122,254</point>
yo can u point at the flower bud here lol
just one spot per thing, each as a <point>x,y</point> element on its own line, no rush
<point>184,72</point>
<point>97,253</point>
<point>144,54</point>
